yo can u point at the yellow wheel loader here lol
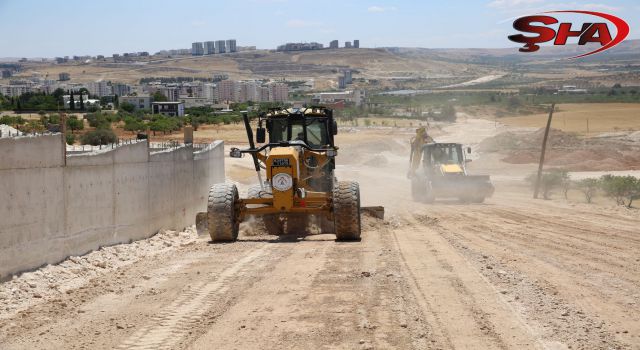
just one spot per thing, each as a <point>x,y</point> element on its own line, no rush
<point>438,170</point>
<point>299,163</point>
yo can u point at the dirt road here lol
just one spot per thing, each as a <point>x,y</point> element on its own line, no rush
<point>512,273</point>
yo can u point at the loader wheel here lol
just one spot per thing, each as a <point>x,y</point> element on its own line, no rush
<point>418,189</point>
<point>223,213</point>
<point>346,211</point>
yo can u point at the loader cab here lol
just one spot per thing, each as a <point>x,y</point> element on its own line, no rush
<point>314,126</point>
<point>442,154</point>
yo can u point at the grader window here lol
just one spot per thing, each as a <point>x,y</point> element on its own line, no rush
<point>316,131</point>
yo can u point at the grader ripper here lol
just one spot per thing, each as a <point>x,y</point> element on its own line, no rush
<point>300,186</point>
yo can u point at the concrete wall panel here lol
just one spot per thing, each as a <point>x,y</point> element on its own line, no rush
<point>49,210</point>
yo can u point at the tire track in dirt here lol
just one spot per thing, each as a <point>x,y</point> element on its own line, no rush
<point>466,309</point>
<point>174,322</point>
<point>551,286</point>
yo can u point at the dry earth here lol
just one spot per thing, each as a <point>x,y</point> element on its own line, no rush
<point>513,273</point>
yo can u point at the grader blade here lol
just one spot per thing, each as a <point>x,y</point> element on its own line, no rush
<point>375,211</point>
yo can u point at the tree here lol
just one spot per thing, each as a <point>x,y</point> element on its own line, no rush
<point>73,124</point>
<point>159,97</point>
<point>72,103</point>
<point>81,103</point>
<point>134,124</point>
<point>588,187</point>
<point>128,107</point>
<point>99,137</point>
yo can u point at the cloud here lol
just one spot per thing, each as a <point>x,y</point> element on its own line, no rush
<point>299,23</point>
<point>379,9</point>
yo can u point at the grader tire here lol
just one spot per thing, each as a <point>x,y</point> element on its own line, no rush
<point>346,210</point>
<point>223,213</point>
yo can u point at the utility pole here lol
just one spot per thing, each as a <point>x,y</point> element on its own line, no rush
<point>544,149</point>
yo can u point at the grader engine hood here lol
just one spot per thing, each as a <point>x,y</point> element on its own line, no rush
<point>283,168</point>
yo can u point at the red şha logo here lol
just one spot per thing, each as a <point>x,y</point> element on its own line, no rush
<point>589,33</point>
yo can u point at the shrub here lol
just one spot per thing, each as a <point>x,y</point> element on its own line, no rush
<point>99,137</point>
<point>623,189</point>
<point>70,138</point>
<point>588,187</point>
<point>549,181</point>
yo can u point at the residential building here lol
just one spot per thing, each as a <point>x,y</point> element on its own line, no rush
<point>278,92</point>
<point>356,44</point>
<point>220,46</point>
<point>195,102</point>
<point>264,94</point>
<point>6,74</point>
<point>209,47</point>
<point>348,79</point>
<point>99,88</point>
<point>211,92</point>
<point>120,89</point>
<point>66,99</point>
<point>300,46</point>
<point>197,49</point>
<point>139,102</point>
<point>64,76</point>
<point>227,90</point>
<point>334,44</point>
<point>356,97</point>
<point>347,44</point>
<point>341,83</point>
<point>14,90</point>
<point>231,45</point>
<point>173,109</point>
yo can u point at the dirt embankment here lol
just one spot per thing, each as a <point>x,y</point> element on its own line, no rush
<point>565,150</point>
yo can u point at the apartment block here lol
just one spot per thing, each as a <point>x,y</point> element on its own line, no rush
<point>231,45</point>
<point>209,47</point>
<point>220,46</point>
<point>197,49</point>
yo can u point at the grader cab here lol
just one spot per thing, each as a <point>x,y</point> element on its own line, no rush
<point>300,186</point>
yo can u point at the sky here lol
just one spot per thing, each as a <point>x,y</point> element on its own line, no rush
<point>33,28</point>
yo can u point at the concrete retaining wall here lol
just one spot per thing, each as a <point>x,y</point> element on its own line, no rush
<point>50,210</point>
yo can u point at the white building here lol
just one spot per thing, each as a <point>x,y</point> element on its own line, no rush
<point>139,102</point>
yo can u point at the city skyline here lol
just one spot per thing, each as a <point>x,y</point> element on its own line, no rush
<point>42,29</point>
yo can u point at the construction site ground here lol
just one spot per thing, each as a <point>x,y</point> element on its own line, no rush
<point>512,273</point>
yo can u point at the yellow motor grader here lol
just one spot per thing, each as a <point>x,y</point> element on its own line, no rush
<point>299,162</point>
